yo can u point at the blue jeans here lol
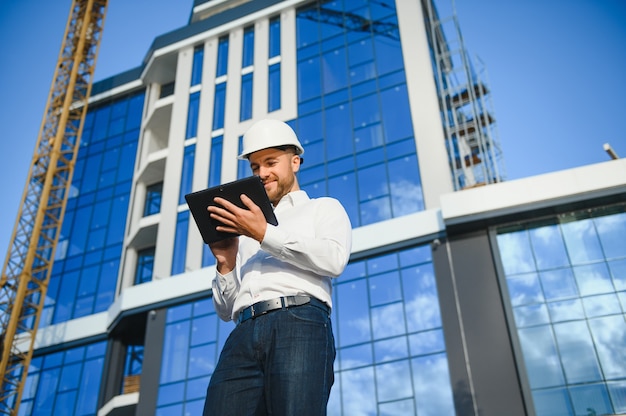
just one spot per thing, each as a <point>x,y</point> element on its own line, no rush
<point>280,363</point>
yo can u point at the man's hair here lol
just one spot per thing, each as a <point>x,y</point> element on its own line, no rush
<point>288,148</point>
<point>291,149</point>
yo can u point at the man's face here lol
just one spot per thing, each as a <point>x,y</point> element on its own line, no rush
<point>277,168</point>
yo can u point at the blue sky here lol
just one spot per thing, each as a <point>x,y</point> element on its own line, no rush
<point>557,72</point>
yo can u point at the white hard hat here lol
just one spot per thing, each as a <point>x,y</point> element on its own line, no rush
<point>268,133</point>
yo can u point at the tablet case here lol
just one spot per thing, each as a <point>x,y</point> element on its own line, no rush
<point>198,203</point>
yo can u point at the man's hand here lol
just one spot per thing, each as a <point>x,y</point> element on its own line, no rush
<point>225,252</point>
<point>250,222</point>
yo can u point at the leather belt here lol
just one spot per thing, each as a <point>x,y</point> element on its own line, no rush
<point>263,307</point>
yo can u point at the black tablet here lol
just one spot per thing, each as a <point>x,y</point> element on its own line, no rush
<point>198,203</point>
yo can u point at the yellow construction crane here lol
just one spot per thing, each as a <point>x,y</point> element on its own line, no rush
<point>29,260</point>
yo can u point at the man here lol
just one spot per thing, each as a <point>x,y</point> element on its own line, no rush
<point>275,283</point>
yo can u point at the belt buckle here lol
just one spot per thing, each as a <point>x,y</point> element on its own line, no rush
<point>264,307</point>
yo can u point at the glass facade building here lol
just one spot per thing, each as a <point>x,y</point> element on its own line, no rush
<point>566,279</point>
<point>465,294</point>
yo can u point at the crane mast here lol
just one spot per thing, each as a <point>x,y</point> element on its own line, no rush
<point>31,252</point>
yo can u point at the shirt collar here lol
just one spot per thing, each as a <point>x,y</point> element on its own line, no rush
<point>293,198</point>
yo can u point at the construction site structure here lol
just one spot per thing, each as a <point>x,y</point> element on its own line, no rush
<point>474,151</point>
<point>30,256</point>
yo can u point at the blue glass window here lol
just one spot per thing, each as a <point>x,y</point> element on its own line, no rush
<point>396,118</point>
<point>153,199</point>
<point>196,69</point>
<point>382,334</point>
<point>101,124</point>
<point>115,235</point>
<point>243,166</point>
<point>388,55</point>
<point>134,360</point>
<point>64,383</point>
<point>273,97</point>
<point>345,185</point>
<point>246,97</point>
<point>219,106</point>
<point>145,265</point>
<point>222,57</point>
<point>566,284</point>
<point>353,109</point>
<point>192,115</point>
<point>405,189</point>
<point>167,89</point>
<point>215,162</point>
<point>194,335</point>
<point>85,273</point>
<point>274,42</point>
<point>207,257</point>
<point>309,79</point>
<point>135,111</point>
<point>335,70</point>
<point>339,133</point>
<point>186,177</point>
<point>247,58</point>
<point>180,243</point>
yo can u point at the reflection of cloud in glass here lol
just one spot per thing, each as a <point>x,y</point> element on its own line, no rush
<point>548,247</point>
<point>612,229</point>
<point>524,289</point>
<point>432,385</point>
<point>531,315</point>
<point>541,358</point>
<point>515,253</point>
<point>609,334</point>
<point>423,312</point>
<point>375,210</point>
<point>393,381</point>
<point>611,224</point>
<point>618,271</point>
<point>428,375</point>
<point>576,351</point>
<point>543,234</point>
<point>593,279</point>
<point>559,284</point>
<point>358,394</point>
<point>391,349</point>
<point>388,321</point>
<point>601,305</point>
<point>566,310</point>
<point>361,324</point>
<point>582,242</point>
<point>407,197</point>
<point>427,342</point>
<point>352,357</point>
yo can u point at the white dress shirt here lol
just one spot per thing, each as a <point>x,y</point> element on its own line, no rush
<point>309,246</point>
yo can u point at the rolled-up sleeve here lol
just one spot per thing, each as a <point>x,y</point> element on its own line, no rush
<point>225,290</point>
